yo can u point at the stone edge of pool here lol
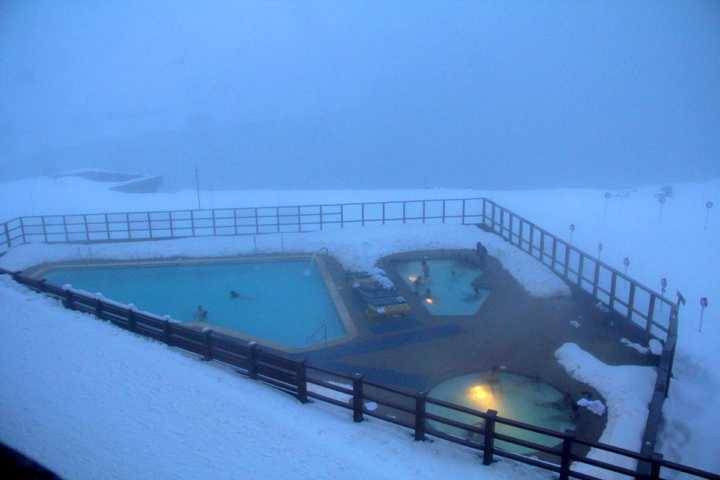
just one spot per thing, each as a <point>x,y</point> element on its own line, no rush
<point>38,271</point>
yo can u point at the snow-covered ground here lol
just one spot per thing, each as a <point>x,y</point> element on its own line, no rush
<point>48,380</point>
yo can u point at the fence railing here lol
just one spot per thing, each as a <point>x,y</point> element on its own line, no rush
<point>619,293</point>
<point>413,410</point>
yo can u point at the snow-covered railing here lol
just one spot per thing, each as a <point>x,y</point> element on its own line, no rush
<point>365,398</point>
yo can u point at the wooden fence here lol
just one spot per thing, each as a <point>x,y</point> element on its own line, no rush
<point>619,293</point>
<point>412,410</point>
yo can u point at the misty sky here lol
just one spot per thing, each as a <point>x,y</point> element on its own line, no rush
<point>342,94</point>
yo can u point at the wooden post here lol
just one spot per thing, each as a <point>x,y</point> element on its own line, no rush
<point>44,227</point>
<point>510,227</point>
<point>192,222</point>
<point>362,214</point>
<point>214,223</point>
<point>342,215</point>
<point>129,228</point>
<point>423,211</point>
<point>542,246</point>
<point>651,312</point>
<point>257,222</point>
<point>235,230</point>
<point>132,321</point>
<point>492,217</point>
<point>554,252</point>
<point>420,404</point>
<point>521,231</point>
<point>68,301</point>
<point>489,437</point>
<point>301,379</point>
<point>207,340</point>
<point>383,213</point>
<point>67,238</point>
<point>167,332</point>
<point>631,301</point>
<point>321,218</point>
<point>277,218</point>
<point>463,211</point>
<point>107,226</point>
<point>596,279</point>
<point>565,459</point>
<point>357,400</point>
<point>581,265</point>
<point>655,460</point>
<point>22,229</point>
<point>502,222</point>
<point>252,360</point>
<point>404,204</point>
<point>443,211</point>
<point>98,308</point>
<point>613,286</point>
<point>299,217</point>
<point>566,267</point>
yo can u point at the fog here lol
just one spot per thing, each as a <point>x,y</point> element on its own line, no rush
<point>331,94</point>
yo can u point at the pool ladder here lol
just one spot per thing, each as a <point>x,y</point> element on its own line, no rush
<point>322,328</point>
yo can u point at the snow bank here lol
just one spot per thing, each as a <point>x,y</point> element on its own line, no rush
<point>90,400</point>
<point>357,248</point>
<point>627,391</point>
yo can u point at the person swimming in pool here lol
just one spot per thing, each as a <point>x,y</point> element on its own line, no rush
<point>234,295</point>
<point>201,315</point>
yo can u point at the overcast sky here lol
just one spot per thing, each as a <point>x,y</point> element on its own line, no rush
<point>363,94</point>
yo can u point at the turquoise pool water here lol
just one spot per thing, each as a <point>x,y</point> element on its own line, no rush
<point>450,285</point>
<point>513,396</point>
<point>285,302</point>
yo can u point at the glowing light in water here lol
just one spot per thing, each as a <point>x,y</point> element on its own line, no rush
<point>429,300</point>
<point>482,397</point>
<point>412,278</point>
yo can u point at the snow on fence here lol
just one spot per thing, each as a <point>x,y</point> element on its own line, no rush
<point>615,290</point>
<point>364,398</point>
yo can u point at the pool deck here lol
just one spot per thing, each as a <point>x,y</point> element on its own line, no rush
<point>512,330</point>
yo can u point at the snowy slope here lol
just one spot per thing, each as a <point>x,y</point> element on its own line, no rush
<point>675,246</point>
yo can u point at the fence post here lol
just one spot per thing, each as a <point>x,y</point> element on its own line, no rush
<point>655,460</point>
<point>463,211</point>
<point>68,301</point>
<point>257,221</point>
<point>44,227</point>
<point>532,239</point>
<point>167,332</point>
<point>129,228</point>
<point>362,214</point>
<point>252,360</point>
<point>489,437</point>
<point>7,234</point>
<point>207,341</point>
<point>596,279</point>
<point>383,213</point>
<point>132,321</point>
<point>567,260</point>
<point>581,265</point>
<point>631,301</point>
<point>357,398</point>
<point>420,404</point>
<point>443,211</point>
<point>542,246</point>
<point>301,378</point>
<point>65,229</point>
<point>149,222</point>
<point>613,287</point>
<point>554,253</point>
<point>321,218</point>
<point>107,227</point>
<point>565,460</point>
<point>423,211</point>
<point>404,204</point>
<point>342,215</point>
<point>299,218</point>
<point>277,218</point>
<point>98,308</point>
<point>651,312</point>
<point>22,229</point>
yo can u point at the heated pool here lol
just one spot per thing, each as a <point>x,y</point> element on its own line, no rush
<point>513,396</point>
<point>285,303</point>
<point>450,284</point>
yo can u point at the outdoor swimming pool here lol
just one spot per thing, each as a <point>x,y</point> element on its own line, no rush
<point>450,284</point>
<point>285,303</point>
<point>513,396</point>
